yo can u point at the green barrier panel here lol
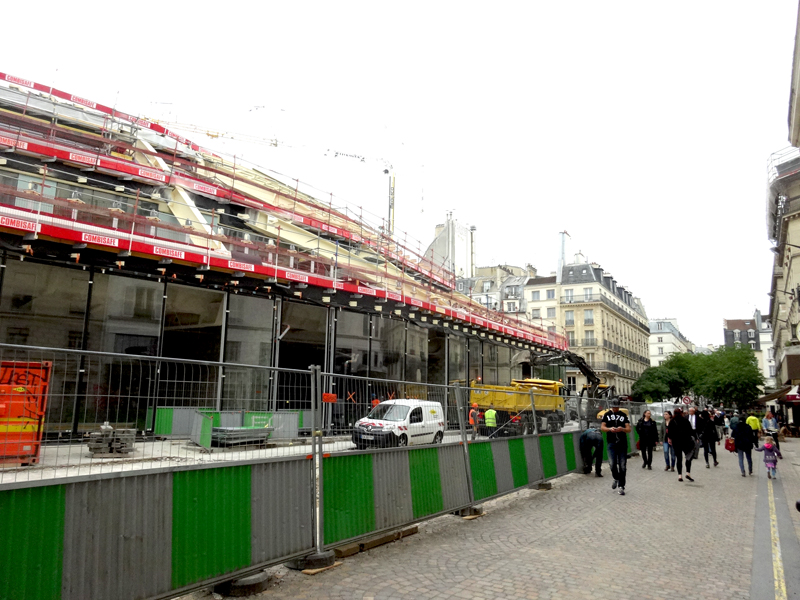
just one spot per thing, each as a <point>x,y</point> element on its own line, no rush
<point>569,450</point>
<point>519,464</point>
<point>605,446</point>
<point>426,484</point>
<point>205,433</point>
<point>481,463</point>
<point>210,523</point>
<point>148,420</point>
<point>163,421</point>
<point>31,555</point>
<point>548,456</point>
<point>348,490</point>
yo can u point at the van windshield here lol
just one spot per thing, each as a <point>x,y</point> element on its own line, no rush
<point>389,412</point>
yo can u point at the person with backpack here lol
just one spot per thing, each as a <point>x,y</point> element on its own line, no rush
<point>648,438</point>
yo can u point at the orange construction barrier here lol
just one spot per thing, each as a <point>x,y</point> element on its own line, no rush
<point>23,401</point>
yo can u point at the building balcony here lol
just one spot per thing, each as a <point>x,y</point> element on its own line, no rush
<point>589,342</point>
<point>588,321</point>
<point>569,323</point>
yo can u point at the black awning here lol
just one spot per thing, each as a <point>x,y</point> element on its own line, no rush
<point>774,395</point>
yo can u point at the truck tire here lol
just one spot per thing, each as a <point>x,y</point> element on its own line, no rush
<point>437,439</point>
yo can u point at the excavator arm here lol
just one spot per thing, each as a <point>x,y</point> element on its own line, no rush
<point>580,363</point>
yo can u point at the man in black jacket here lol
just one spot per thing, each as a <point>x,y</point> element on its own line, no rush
<point>617,426</point>
<point>743,436</point>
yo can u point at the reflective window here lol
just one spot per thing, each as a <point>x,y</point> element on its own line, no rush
<point>475,370</point>
<point>417,354</point>
<point>352,344</point>
<point>43,305</point>
<point>503,365</point>
<point>388,348</point>
<point>125,316</point>
<point>489,363</point>
<point>437,353</point>
<point>192,323</point>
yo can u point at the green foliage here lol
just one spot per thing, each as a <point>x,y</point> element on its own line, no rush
<point>728,375</point>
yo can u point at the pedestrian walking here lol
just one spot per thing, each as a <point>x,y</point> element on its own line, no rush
<point>754,423</point>
<point>490,416</point>
<point>669,453</point>
<point>771,456</point>
<point>617,426</point>
<point>769,425</point>
<point>708,437</point>
<point>734,421</point>
<point>719,422</point>
<point>743,435</point>
<point>591,446</point>
<point>474,417</point>
<point>648,438</point>
<point>682,438</point>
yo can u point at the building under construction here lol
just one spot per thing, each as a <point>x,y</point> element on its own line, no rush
<point>121,236</point>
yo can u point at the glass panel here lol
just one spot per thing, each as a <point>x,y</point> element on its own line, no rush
<point>303,344</point>
<point>125,316</point>
<point>475,360</point>
<point>193,323</point>
<point>457,367</point>
<point>437,354</point>
<point>43,305</point>
<point>248,341</point>
<point>388,348</point>
<point>489,363</point>
<point>352,344</point>
<point>417,354</point>
<point>504,365</point>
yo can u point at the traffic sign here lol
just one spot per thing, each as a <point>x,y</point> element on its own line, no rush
<point>687,400</point>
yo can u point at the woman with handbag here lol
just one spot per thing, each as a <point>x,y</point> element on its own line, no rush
<point>682,439</point>
<point>648,438</point>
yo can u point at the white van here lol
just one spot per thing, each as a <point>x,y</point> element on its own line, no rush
<point>400,422</point>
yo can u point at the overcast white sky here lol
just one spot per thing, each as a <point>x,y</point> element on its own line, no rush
<point>641,128</point>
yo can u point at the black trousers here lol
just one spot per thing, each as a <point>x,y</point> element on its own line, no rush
<point>679,454</point>
<point>592,450</point>
<point>647,454</point>
<point>710,447</point>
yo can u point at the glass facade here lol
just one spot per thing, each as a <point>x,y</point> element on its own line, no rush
<point>71,307</point>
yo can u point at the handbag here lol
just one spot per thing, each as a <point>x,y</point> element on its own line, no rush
<point>730,445</point>
<point>696,452</point>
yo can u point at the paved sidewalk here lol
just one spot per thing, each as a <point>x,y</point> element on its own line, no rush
<point>664,539</point>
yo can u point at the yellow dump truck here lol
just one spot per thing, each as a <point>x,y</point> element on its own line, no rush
<point>513,404</point>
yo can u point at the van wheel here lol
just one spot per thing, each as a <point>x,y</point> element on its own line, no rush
<point>437,439</point>
<point>402,441</point>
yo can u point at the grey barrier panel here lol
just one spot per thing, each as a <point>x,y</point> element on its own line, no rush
<point>392,489</point>
<point>455,487</point>
<point>118,538</point>
<point>576,441</point>
<point>502,466</point>
<point>197,427</point>
<point>534,459</point>
<point>182,420</point>
<point>231,418</point>
<point>282,505</point>
<point>561,458</point>
<point>285,424</point>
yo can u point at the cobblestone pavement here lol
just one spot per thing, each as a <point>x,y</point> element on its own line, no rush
<point>664,539</point>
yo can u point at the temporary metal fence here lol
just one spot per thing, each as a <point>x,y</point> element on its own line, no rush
<point>183,513</point>
<point>53,402</point>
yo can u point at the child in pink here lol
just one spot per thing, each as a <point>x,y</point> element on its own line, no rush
<point>771,454</point>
